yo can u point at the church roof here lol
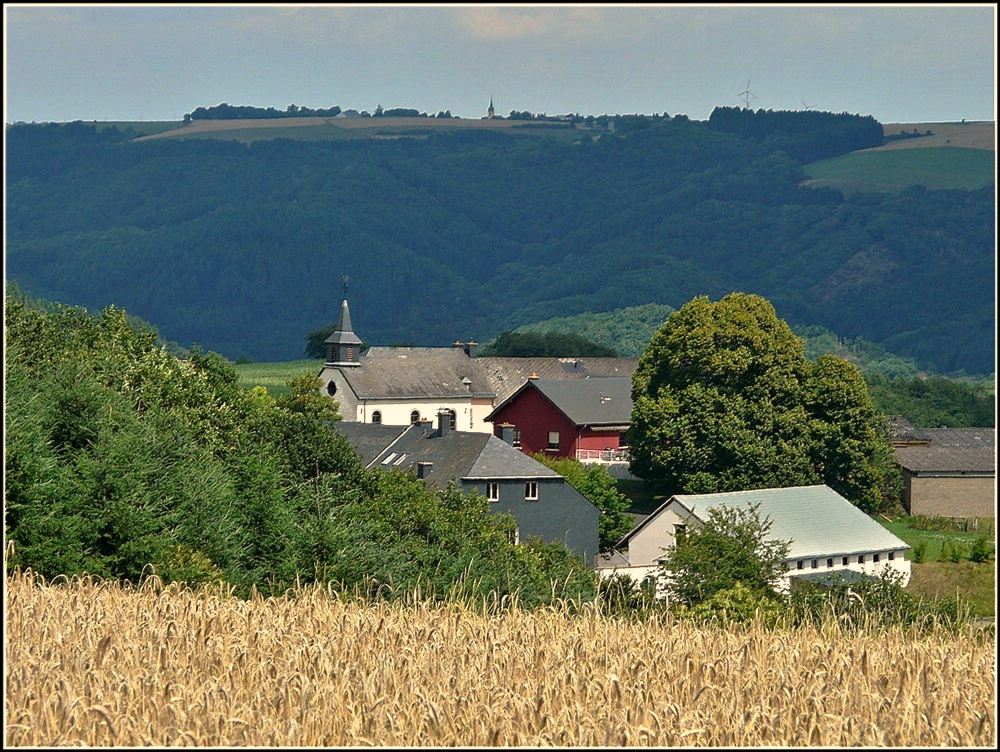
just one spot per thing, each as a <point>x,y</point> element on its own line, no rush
<point>417,372</point>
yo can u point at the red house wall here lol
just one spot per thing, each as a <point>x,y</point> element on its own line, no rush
<point>535,416</point>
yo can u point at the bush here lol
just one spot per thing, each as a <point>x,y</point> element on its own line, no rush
<point>980,551</point>
<point>920,552</point>
<point>956,553</point>
<point>738,604</point>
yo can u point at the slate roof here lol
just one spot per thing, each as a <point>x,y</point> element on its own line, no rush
<point>369,439</point>
<point>904,432</point>
<point>507,375</point>
<point>819,521</point>
<point>455,455</point>
<point>952,451</point>
<point>417,372</point>
<point>597,402</point>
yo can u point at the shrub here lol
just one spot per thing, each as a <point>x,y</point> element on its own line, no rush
<point>920,552</point>
<point>955,555</point>
<point>980,550</point>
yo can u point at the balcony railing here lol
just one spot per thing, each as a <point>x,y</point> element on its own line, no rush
<point>619,455</point>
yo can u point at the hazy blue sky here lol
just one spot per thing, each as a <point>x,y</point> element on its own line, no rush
<point>922,63</point>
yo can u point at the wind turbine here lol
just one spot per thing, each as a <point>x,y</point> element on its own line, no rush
<point>807,106</point>
<point>747,96</point>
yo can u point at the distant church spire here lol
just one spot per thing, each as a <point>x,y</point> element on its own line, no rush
<point>489,112</point>
<point>343,347</point>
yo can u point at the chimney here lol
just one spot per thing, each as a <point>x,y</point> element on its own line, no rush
<point>424,469</point>
<point>444,422</point>
<point>533,375</point>
<point>507,433</point>
<point>470,348</point>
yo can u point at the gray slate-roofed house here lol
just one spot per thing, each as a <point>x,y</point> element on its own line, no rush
<point>947,472</point>
<point>542,503</point>
<point>506,375</point>
<point>828,534</point>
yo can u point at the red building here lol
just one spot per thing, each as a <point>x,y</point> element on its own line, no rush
<point>581,418</point>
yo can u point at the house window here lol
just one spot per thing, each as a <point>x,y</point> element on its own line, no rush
<point>331,388</point>
<point>800,564</point>
<point>452,418</point>
<point>892,555</point>
<point>861,558</point>
<point>815,563</point>
<point>680,530</point>
<point>874,557</point>
<point>844,561</point>
<point>517,438</point>
<point>829,563</point>
<point>493,491</point>
<point>515,536</point>
<point>376,417</point>
<point>414,416</point>
<point>531,490</point>
<point>350,354</point>
<point>554,440</point>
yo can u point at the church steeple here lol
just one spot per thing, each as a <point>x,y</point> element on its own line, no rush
<point>489,112</point>
<point>343,347</point>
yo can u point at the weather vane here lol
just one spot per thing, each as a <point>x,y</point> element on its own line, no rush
<point>345,285</point>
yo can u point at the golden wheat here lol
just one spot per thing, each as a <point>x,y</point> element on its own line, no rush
<point>96,664</point>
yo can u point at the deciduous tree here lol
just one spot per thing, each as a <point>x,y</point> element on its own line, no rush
<point>726,400</point>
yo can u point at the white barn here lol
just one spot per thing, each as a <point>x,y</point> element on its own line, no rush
<point>828,534</point>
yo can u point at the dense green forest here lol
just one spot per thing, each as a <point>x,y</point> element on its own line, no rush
<point>119,456</point>
<point>241,248</point>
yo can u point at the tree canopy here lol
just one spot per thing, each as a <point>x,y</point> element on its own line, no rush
<point>545,344</point>
<point>726,400</point>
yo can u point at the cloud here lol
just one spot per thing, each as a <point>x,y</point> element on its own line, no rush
<point>498,24</point>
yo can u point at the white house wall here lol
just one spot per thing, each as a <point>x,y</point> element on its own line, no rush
<point>469,412</point>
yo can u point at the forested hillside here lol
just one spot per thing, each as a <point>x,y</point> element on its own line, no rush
<point>242,248</point>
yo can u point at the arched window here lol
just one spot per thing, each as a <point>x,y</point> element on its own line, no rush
<point>414,416</point>
<point>376,417</point>
<point>331,388</point>
<point>453,417</point>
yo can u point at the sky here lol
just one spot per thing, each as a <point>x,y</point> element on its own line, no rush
<point>898,63</point>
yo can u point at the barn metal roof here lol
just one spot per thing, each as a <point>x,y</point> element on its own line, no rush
<point>817,520</point>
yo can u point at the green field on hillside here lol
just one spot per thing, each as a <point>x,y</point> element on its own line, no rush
<point>893,170</point>
<point>274,376</point>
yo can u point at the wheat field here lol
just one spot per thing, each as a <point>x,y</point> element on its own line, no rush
<point>96,664</point>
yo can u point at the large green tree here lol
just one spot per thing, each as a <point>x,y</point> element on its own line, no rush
<point>726,400</point>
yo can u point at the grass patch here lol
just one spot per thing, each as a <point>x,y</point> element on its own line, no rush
<point>975,583</point>
<point>274,376</point>
<point>893,170</point>
<point>936,540</point>
<point>937,578</point>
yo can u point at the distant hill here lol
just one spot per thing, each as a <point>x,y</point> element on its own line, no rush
<point>462,230</point>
